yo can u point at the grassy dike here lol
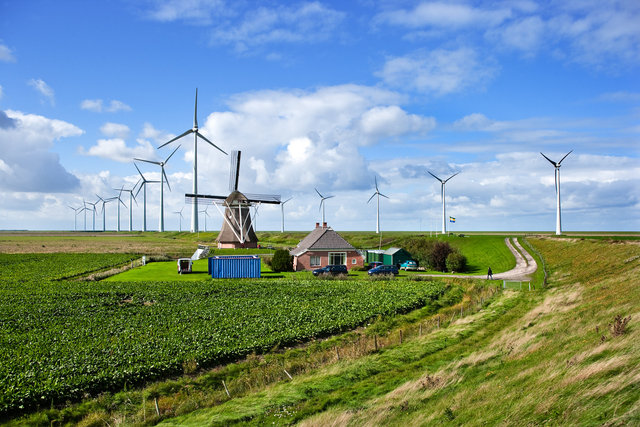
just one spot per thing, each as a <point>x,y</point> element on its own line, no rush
<point>546,357</point>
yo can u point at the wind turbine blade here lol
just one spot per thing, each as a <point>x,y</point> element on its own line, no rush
<point>434,176</point>
<point>166,179</point>
<point>550,161</point>
<point>375,178</point>
<point>99,197</point>
<point>372,196</point>
<point>142,176</point>
<point>287,200</point>
<point>148,161</point>
<point>321,202</point>
<point>445,181</point>
<point>206,139</point>
<point>383,195</point>
<point>140,188</point>
<point>564,157</point>
<point>177,137</point>
<point>328,197</point>
<point>321,196</point>
<point>174,151</point>
<point>195,112</point>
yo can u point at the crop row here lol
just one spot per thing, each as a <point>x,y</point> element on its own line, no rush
<point>61,340</point>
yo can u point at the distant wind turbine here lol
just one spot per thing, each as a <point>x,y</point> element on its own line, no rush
<point>322,199</point>
<point>75,216</point>
<point>206,214</point>
<point>144,183</point>
<point>163,178</point>
<point>196,132</point>
<point>132,199</point>
<point>377,193</point>
<point>557,176</point>
<point>93,210</point>
<point>119,198</point>
<point>443,182</point>
<point>180,217</point>
<point>104,202</point>
<point>282,211</point>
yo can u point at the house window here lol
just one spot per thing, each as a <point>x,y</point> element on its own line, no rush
<point>315,261</point>
<point>354,261</point>
<point>337,258</point>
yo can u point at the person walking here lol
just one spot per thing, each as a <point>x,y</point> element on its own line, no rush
<point>489,274</point>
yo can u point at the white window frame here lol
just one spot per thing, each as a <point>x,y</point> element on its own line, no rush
<point>354,261</point>
<point>343,255</point>
<point>311,259</point>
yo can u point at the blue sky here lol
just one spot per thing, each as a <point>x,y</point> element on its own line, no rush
<point>325,95</point>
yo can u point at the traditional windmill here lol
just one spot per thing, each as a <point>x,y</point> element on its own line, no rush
<point>237,226</point>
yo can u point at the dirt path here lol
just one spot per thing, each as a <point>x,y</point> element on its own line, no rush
<point>525,265</point>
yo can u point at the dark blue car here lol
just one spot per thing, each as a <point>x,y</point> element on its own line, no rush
<point>384,270</point>
<point>334,270</point>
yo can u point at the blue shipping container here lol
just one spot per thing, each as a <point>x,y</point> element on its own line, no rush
<point>234,266</point>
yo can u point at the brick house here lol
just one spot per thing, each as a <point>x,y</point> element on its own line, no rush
<point>322,247</point>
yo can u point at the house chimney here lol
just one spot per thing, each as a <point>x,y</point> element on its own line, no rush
<point>324,225</point>
<point>317,225</point>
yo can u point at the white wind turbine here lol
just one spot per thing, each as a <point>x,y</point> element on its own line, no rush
<point>118,197</point>
<point>132,199</point>
<point>196,133</point>
<point>377,193</point>
<point>443,182</point>
<point>322,199</point>
<point>179,217</point>
<point>75,216</point>
<point>163,179</point>
<point>282,211</point>
<point>557,176</point>
<point>93,210</point>
<point>104,202</point>
<point>143,183</point>
<point>206,214</point>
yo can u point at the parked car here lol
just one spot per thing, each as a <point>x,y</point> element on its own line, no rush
<point>383,269</point>
<point>374,264</point>
<point>409,265</point>
<point>333,270</point>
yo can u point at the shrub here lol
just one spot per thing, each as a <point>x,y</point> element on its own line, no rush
<point>439,254</point>
<point>282,261</point>
<point>456,262</point>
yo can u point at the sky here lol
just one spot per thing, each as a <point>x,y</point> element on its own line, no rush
<point>326,95</point>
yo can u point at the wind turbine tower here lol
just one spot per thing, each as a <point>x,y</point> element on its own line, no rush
<point>282,211</point>
<point>118,197</point>
<point>377,193</point>
<point>132,199</point>
<point>442,184</point>
<point>104,202</point>
<point>557,176</point>
<point>180,218</point>
<point>322,199</point>
<point>163,178</point>
<point>144,183</point>
<point>75,216</point>
<point>196,134</point>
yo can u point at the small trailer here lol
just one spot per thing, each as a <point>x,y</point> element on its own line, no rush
<point>184,265</point>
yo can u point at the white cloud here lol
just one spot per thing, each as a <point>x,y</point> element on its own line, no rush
<point>30,165</point>
<point>118,150</point>
<point>439,71</point>
<point>303,23</point>
<point>525,34</point>
<point>5,54</point>
<point>193,11</point>
<point>44,89</point>
<point>115,130</point>
<point>97,106</point>
<point>394,121</point>
<point>443,15</point>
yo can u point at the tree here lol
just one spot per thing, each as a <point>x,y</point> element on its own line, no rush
<point>439,254</point>
<point>282,261</point>
<point>456,262</point>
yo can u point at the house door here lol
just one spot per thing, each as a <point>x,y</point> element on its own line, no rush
<point>337,258</point>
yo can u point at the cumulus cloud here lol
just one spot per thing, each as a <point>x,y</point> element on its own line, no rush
<point>115,130</point>
<point>118,150</point>
<point>443,15</point>
<point>438,71</point>
<point>44,89</point>
<point>31,166</point>
<point>193,11</point>
<point>6,55</point>
<point>98,106</point>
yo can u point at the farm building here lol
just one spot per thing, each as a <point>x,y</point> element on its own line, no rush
<point>375,255</point>
<point>395,256</point>
<point>323,246</point>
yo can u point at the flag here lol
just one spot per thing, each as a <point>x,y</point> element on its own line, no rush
<point>452,219</point>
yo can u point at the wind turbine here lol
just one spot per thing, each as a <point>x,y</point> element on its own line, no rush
<point>377,193</point>
<point>144,183</point>
<point>104,202</point>
<point>282,210</point>
<point>443,182</point>
<point>196,133</point>
<point>132,199</point>
<point>180,217</point>
<point>119,201</point>
<point>163,178</point>
<point>206,214</point>
<point>75,216</point>
<point>322,199</point>
<point>93,206</point>
<point>557,176</point>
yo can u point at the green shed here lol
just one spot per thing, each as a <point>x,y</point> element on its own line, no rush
<point>395,256</point>
<point>374,255</point>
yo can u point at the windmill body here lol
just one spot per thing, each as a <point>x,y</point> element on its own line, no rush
<point>557,179</point>
<point>322,203</point>
<point>442,193</point>
<point>378,194</point>
<point>163,178</point>
<point>196,134</point>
